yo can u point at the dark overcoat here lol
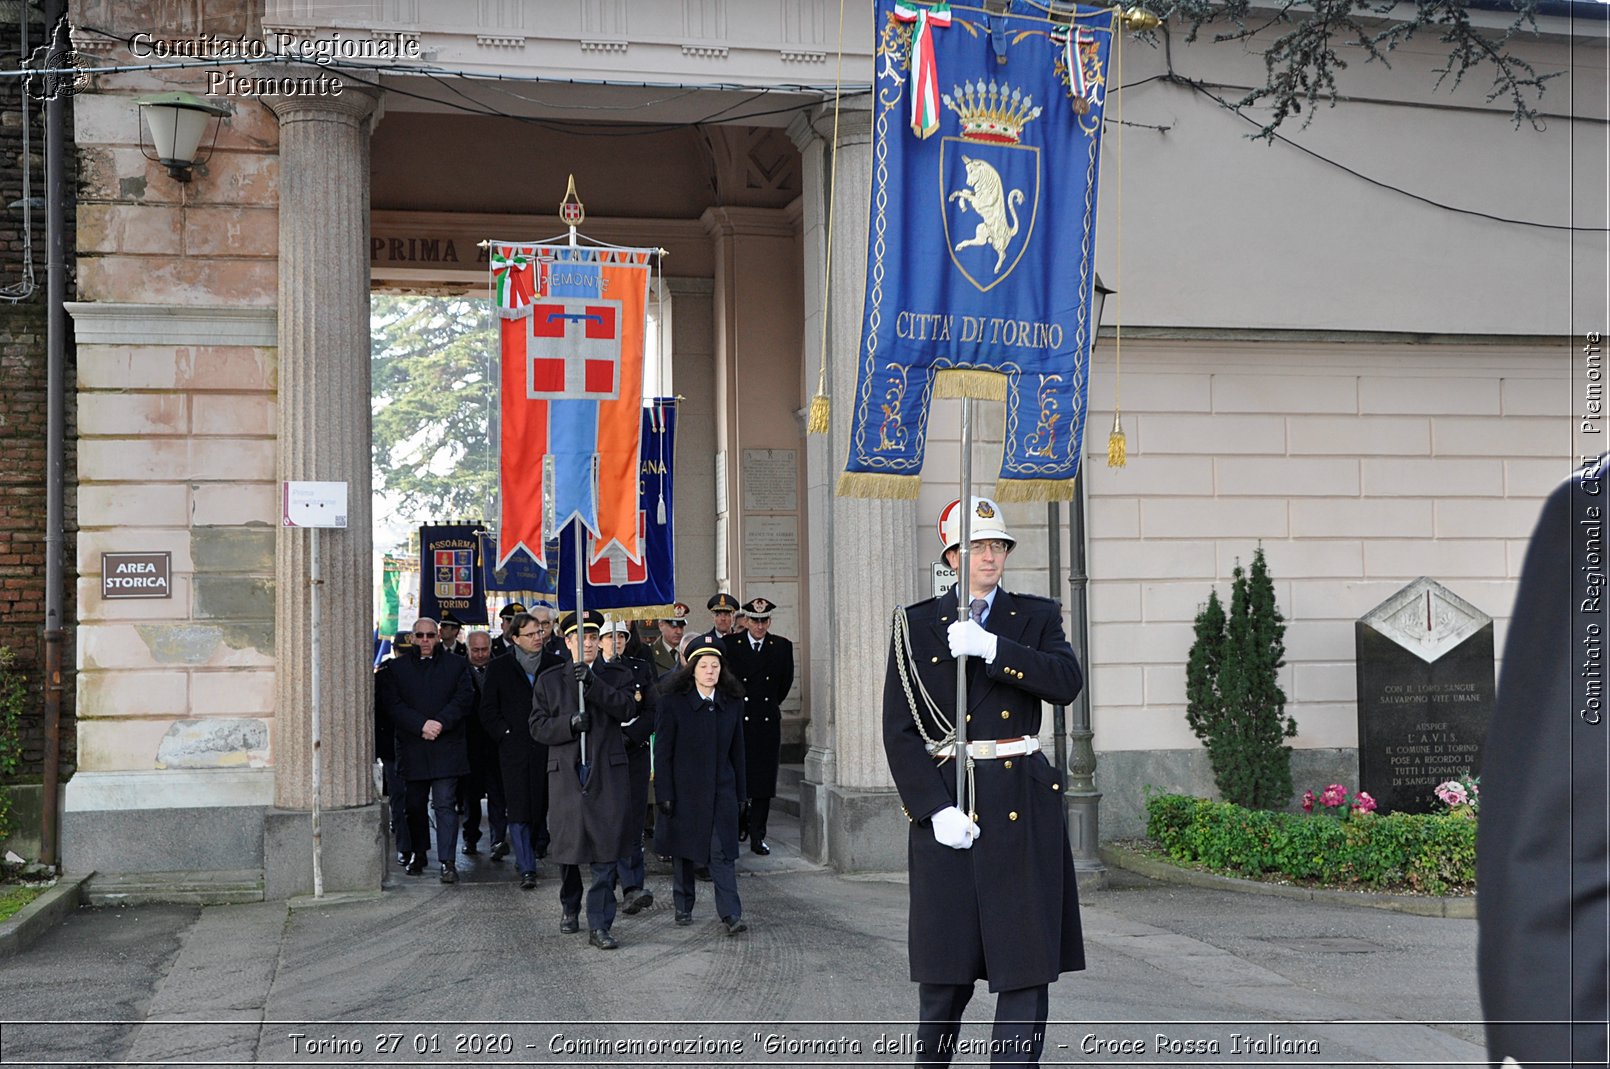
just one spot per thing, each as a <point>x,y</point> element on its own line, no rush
<point>699,769</point>
<point>588,824</point>
<point>483,750</point>
<point>1006,910</point>
<point>638,732</point>
<point>1541,846</point>
<point>430,688</point>
<point>506,716</point>
<point>768,676</point>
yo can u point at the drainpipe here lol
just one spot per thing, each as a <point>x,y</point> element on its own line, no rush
<point>55,429</point>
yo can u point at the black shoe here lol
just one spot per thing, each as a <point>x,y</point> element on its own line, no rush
<point>759,846</point>
<point>470,850</point>
<point>735,925</point>
<point>683,919</point>
<point>644,900</point>
<point>629,905</point>
<point>702,873</point>
<point>600,938</point>
<point>528,880</point>
<point>500,850</point>
<point>449,874</point>
<point>416,865</point>
<point>570,924</point>
<point>402,858</point>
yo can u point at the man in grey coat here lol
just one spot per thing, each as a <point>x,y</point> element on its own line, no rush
<point>429,699</point>
<point>589,781</point>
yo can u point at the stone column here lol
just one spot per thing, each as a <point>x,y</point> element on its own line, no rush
<point>862,549</point>
<point>324,432</point>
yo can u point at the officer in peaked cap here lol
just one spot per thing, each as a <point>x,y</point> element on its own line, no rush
<point>506,615</point>
<point>450,627</point>
<point>992,881</point>
<point>588,792</point>
<point>663,649</point>
<point>723,610</point>
<point>764,662</point>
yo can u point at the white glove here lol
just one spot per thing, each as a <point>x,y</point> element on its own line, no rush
<point>967,639</point>
<point>953,829</point>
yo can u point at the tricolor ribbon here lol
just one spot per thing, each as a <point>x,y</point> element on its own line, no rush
<point>1076,68</point>
<point>924,87</point>
<point>512,283</point>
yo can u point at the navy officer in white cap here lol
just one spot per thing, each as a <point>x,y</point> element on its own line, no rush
<point>991,882</point>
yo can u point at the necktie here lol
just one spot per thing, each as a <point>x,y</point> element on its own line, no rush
<point>976,610</point>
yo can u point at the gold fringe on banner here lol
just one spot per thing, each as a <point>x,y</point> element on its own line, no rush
<point>641,612</point>
<point>817,421</point>
<point>1034,490</point>
<point>873,484</point>
<point>970,382</point>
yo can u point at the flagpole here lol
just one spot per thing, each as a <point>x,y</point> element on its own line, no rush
<point>581,580</point>
<point>964,595</point>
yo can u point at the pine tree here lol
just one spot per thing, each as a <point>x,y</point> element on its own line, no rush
<point>1233,694</point>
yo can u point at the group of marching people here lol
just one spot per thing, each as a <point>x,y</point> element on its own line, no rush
<point>556,728</point>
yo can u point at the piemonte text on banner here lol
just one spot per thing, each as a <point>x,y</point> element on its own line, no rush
<point>981,250</point>
<point>572,323</point>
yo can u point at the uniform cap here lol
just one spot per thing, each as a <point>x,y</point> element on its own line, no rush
<point>722,602</point>
<point>591,620</point>
<point>449,620</point>
<point>513,608</point>
<point>709,642</point>
<point>615,627</point>
<point>759,608</point>
<point>987,523</point>
<point>679,614</point>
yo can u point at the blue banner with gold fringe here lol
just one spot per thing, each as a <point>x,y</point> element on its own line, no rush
<point>981,250</point>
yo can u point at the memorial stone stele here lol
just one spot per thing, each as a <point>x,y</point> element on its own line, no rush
<point>1425,691</point>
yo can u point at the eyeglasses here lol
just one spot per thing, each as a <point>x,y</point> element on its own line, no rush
<point>994,545</point>
<point>424,634</point>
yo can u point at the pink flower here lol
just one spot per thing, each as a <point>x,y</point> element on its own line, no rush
<point>1334,795</point>
<point>1453,793</point>
<point>1363,803</point>
<point>1308,801</point>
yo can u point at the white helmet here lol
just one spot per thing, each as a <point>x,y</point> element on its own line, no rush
<point>987,523</point>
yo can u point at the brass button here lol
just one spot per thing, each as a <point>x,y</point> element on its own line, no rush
<point>1008,764</point>
<point>1006,714</point>
<point>969,718</point>
<point>1011,815</point>
<point>974,818</point>
<point>936,660</point>
<point>1056,786</point>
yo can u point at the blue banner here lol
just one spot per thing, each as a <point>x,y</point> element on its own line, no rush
<point>520,575</point>
<point>615,583</point>
<point>450,574</point>
<point>980,256</point>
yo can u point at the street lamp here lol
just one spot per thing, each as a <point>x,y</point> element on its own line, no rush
<point>177,122</point>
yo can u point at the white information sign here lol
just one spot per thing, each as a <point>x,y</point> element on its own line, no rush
<point>310,504</point>
<point>944,578</point>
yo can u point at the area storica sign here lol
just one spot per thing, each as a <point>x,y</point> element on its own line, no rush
<point>136,575</point>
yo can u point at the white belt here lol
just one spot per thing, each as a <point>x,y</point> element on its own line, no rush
<point>985,749</point>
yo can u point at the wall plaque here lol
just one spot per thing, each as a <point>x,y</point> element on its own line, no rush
<point>771,547</point>
<point>771,480</point>
<point>136,575</point>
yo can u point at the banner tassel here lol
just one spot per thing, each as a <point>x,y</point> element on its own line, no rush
<point>878,485</point>
<point>1117,446</point>
<point>659,511</point>
<point>818,420</point>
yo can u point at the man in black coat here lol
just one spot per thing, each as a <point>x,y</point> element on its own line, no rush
<point>765,664</point>
<point>486,777</point>
<point>993,897</point>
<point>589,781</point>
<point>506,716</point>
<point>429,697</point>
<point>635,897</point>
<point>386,750</point>
<point>1543,845</point>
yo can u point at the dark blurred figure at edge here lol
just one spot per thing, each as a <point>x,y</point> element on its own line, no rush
<point>486,778</point>
<point>402,645</point>
<point>1541,851</point>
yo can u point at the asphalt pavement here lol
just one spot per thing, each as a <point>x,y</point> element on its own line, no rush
<point>479,974</point>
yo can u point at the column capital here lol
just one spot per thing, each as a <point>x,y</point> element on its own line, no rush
<point>854,124</point>
<point>354,103</point>
<point>728,221</point>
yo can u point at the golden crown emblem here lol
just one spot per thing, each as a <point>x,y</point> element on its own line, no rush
<point>991,112</point>
<point>984,511</point>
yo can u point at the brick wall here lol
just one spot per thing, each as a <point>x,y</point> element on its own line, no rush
<point>22,405</point>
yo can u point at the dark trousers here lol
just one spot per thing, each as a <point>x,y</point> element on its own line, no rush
<point>520,840</point>
<point>723,873</point>
<point>441,795</point>
<point>471,788</point>
<point>1018,1036</point>
<point>759,810</point>
<point>396,794</point>
<point>600,893</point>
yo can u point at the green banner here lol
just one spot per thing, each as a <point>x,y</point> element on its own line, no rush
<point>390,574</point>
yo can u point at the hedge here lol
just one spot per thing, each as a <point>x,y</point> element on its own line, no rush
<point>1430,853</point>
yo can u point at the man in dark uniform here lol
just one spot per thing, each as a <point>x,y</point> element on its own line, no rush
<point>450,626</point>
<point>723,613</point>
<point>635,897</point>
<point>506,615</point>
<point>428,698</point>
<point>588,792</point>
<point>663,649</point>
<point>1543,845</point>
<point>992,897</point>
<point>765,664</point>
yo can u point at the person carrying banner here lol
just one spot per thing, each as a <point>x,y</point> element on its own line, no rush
<point>588,792</point>
<point>699,783</point>
<point>635,897</point>
<point>992,892</point>
<point>764,663</point>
